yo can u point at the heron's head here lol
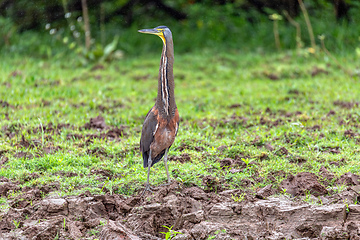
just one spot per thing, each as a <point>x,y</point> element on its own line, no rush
<point>162,31</point>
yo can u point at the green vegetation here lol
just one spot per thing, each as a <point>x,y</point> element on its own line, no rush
<point>207,26</point>
<point>170,233</point>
<point>238,198</point>
<point>305,118</point>
<point>216,233</point>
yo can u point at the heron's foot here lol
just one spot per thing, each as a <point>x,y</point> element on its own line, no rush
<point>147,188</point>
<point>166,184</point>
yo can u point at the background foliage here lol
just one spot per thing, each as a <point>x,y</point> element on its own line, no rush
<point>46,28</point>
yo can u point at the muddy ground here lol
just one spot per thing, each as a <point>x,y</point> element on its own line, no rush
<point>304,206</point>
<point>307,210</point>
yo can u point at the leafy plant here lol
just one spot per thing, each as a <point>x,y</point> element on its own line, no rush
<point>346,206</point>
<point>339,188</point>
<point>16,223</point>
<point>93,232</point>
<point>308,197</point>
<point>64,224</point>
<point>238,198</point>
<point>103,222</point>
<point>87,50</point>
<point>57,236</point>
<point>216,233</point>
<point>320,201</point>
<point>283,191</point>
<point>246,161</point>
<point>170,233</point>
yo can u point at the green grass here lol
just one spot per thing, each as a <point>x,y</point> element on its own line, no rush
<point>207,85</point>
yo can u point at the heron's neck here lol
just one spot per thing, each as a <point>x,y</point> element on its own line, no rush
<point>166,98</point>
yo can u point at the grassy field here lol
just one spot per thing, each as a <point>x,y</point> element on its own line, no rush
<point>274,115</point>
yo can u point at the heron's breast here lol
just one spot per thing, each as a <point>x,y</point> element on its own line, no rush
<point>167,133</point>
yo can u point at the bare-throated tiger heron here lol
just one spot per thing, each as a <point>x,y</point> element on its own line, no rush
<point>162,121</point>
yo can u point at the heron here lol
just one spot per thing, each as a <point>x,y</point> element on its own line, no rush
<point>162,121</point>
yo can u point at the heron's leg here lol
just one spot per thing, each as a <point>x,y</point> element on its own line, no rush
<point>147,186</point>
<point>166,167</point>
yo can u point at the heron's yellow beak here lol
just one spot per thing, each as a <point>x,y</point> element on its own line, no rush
<point>154,31</point>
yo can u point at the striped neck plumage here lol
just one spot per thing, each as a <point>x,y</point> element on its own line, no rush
<point>166,81</point>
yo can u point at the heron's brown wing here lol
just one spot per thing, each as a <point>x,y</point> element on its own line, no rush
<point>147,134</point>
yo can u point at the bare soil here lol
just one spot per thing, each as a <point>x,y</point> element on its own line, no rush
<point>307,211</point>
<point>304,206</point>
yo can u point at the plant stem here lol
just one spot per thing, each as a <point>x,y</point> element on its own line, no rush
<point>276,35</point>
<point>308,24</point>
<point>298,29</point>
<point>86,24</point>
<point>102,24</point>
<point>333,58</point>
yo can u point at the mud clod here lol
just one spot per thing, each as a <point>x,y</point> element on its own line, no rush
<point>334,233</point>
<point>196,193</point>
<point>326,176</point>
<point>183,158</point>
<point>331,113</point>
<point>112,134</point>
<point>25,155</point>
<point>269,147</point>
<point>302,184</point>
<point>97,123</point>
<point>226,162</point>
<point>236,105</point>
<point>28,143</point>
<point>350,133</point>
<point>106,174</point>
<point>6,187</point>
<point>5,104</point>
<point>344,104</point>
<point>115,230</point>
<point>3,160</point>
<point>349,179</point>
<point>115,133</point>
<point>265,192</point>
<point>316,71</point>
<point>272,76</point>
<point>211,183</point>
<point>282,151</point>
<point>97,151</point>
<point>184,146</point>
<point>297,159</point>
<point>309,230</point>
<point>97,67</point>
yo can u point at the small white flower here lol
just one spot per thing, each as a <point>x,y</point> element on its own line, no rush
<point>76,34</point>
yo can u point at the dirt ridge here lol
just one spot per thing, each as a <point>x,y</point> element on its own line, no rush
<point>192,211</point>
